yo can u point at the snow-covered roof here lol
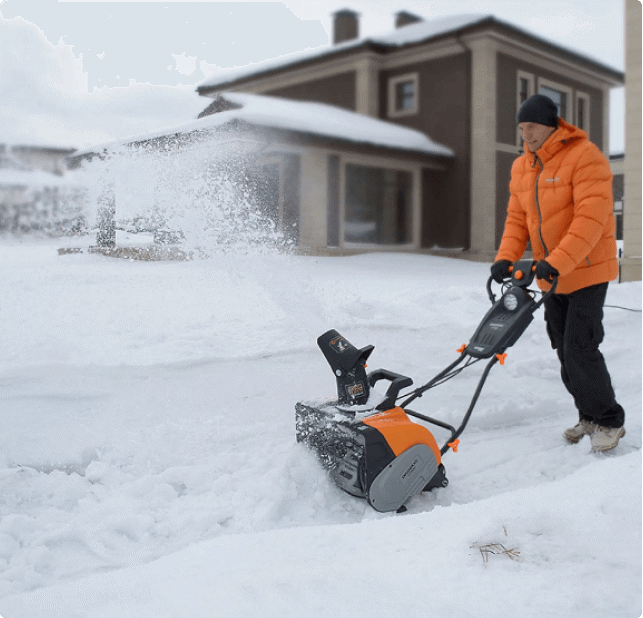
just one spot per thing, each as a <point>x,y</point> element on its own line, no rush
<point>34,178</point>
<point>407,35</point>
<point>410,34</point>
<point>316,119</point>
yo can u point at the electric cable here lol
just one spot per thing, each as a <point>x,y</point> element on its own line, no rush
<point>624,308</point>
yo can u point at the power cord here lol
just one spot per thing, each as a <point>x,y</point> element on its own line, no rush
<point>624,308</point>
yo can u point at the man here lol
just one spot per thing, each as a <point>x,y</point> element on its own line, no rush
<point>561,201</point>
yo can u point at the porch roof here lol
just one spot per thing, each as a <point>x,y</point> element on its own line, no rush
<point>310,119</point>
<point>33,179</point>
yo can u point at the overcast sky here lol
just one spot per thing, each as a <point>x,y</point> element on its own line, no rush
<point>80,72</point>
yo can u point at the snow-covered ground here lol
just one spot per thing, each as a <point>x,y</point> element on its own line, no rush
<point>148,462</point>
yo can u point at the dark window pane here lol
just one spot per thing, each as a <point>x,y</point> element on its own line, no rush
<point>558,97</point>
<point>524,89</point>
<point>262,186</point>
<point>404,96</point>
<point>619,227</point>
<point>378,206</point>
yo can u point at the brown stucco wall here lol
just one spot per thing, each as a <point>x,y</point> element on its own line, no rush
<point>444,116</point>
<point>508,68</point>
<point>337,90</point>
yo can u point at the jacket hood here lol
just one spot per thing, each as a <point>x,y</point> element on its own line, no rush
<point>564,134</point>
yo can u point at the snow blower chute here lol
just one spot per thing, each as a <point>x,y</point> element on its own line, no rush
<point>374,450</point>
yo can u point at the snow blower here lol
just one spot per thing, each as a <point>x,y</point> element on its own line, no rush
<point>372,449</point>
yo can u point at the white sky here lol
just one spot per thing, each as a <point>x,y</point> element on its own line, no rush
<point>81,72</point>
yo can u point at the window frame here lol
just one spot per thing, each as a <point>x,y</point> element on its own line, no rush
<point>531,83</point>
<point>582,96</point>
<point>393,82</point>
<point>276,160</point>
<point>416,179</point>
<point>566,90</point>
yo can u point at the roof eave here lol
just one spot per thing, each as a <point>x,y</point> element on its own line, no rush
<point>294,137</point>
<point>366,45</point>
<point>611,75</point>
<point>299,137</point>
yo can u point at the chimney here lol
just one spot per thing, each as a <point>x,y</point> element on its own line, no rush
<point>404,18</point>
<point>345,26</point>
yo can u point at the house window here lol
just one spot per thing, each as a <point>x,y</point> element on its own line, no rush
<point>524,89</point>
<point>263,186</point>
<point>556,96</point>
<point>618,217</point>
<point>560,95</point>
<point>403,95</point>
<point>378,206</point>
<point>523,92</point>
<point>582,111</point>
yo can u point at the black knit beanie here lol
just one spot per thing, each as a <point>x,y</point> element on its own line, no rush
<point>539,108</point>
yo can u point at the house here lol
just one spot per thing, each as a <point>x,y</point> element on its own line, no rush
<point>35,195</point>
<point>51,159</point>
<point>459,80</point>
<point>286,155</point>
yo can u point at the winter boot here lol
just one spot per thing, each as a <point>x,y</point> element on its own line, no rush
<point>582,428</point>
<point>606,438</point>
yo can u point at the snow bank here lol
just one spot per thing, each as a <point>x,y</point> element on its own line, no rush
<point>418,565</point>
<point>148,463</point>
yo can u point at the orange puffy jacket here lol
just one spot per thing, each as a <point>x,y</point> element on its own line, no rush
<point>561,200</point>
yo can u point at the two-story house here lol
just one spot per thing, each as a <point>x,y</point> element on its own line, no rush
<point>458,80</point>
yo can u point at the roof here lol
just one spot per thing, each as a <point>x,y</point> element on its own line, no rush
<point>409,34</point>
<point>311,119</point>
<point>41,147</point>
<point>34,179</point>
<point>412,34</point>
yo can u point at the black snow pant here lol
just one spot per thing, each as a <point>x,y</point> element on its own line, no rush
<point>575,327</point>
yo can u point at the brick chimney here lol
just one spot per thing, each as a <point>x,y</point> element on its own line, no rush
<point>404,18</point>
<point>345,26</point>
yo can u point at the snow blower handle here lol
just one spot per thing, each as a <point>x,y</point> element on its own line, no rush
<point>398,382</point>
<point>522,275</point>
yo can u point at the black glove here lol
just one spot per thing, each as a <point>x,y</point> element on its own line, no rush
<point>544,270</point>
<point>500,270</point>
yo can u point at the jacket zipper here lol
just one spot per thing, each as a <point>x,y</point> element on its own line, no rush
<point>540,216</point>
